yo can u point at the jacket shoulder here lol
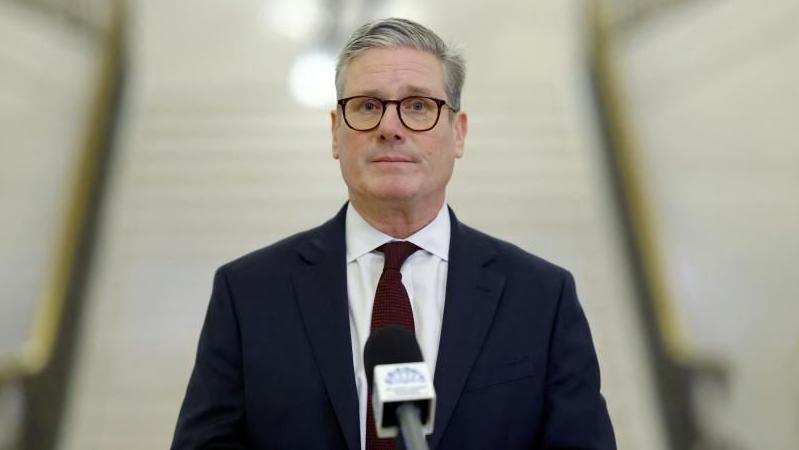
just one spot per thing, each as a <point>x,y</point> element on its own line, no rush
<point>514,259</point>
<point>274,257</point>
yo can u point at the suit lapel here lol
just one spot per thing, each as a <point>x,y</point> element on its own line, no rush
<point>473,291</point>
<point>321,287</point>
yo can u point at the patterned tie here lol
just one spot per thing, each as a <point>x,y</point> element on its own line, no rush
<point>391,307</point>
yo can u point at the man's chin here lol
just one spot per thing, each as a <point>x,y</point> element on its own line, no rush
<point>394,196</point>
<point>391,195</point>
<point>398,188</point>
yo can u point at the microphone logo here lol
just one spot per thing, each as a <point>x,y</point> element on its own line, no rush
<point>404,375</point>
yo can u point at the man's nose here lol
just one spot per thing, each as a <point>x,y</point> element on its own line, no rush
<point>391,127</point>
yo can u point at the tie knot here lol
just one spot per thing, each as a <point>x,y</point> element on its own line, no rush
<point>396,253</point>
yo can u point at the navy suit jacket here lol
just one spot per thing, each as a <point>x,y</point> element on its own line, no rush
<point>274,370</point>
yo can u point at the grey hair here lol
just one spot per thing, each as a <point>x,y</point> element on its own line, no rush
<point>395,32</point>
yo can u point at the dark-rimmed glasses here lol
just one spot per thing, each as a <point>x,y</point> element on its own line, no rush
<point>417,113</point>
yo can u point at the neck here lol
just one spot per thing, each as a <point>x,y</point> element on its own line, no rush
<point>396,220</point>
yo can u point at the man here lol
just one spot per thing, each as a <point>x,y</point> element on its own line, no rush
<point>279,363</point>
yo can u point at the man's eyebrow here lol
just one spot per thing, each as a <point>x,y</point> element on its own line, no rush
<point>412,90</point>
<point>369,93</point>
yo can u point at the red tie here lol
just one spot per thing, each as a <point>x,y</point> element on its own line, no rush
<point>391,307</point>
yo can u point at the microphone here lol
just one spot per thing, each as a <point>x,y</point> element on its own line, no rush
<point>403,398</point>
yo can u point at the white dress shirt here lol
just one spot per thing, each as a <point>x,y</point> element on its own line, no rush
<point>424,275</point>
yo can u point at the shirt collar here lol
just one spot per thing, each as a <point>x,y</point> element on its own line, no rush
<point>363,238</point>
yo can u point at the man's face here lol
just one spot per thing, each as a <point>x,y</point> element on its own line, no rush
<point>393,164</point>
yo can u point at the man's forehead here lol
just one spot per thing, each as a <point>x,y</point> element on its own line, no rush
<point>398,70</point>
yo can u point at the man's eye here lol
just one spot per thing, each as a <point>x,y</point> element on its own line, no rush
<point>416,105</point>
<point>370,106</point>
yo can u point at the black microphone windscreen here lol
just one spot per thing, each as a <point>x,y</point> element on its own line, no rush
<point>390,345</point>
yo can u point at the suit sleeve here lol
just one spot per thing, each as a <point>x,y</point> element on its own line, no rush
<point>212,415</point>
<point>576,414</point>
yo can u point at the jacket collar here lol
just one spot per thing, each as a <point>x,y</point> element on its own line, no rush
<point>321,290</point>
<point>473,292</point>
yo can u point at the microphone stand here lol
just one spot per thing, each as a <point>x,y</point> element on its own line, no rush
<point>411,427</point>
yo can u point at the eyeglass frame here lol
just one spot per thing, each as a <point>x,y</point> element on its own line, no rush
<point>384,104</point>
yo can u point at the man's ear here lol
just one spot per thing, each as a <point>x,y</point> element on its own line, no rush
<point>334,124</point>
<point>460,126</point>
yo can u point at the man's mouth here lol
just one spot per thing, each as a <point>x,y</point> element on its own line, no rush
<point>392,159</point>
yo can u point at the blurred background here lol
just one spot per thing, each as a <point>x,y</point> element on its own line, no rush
<point>650,146</point>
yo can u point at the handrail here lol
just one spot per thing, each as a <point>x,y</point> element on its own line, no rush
<point>644,227</point>
<point>674,361</point>
<point>35,354</point>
